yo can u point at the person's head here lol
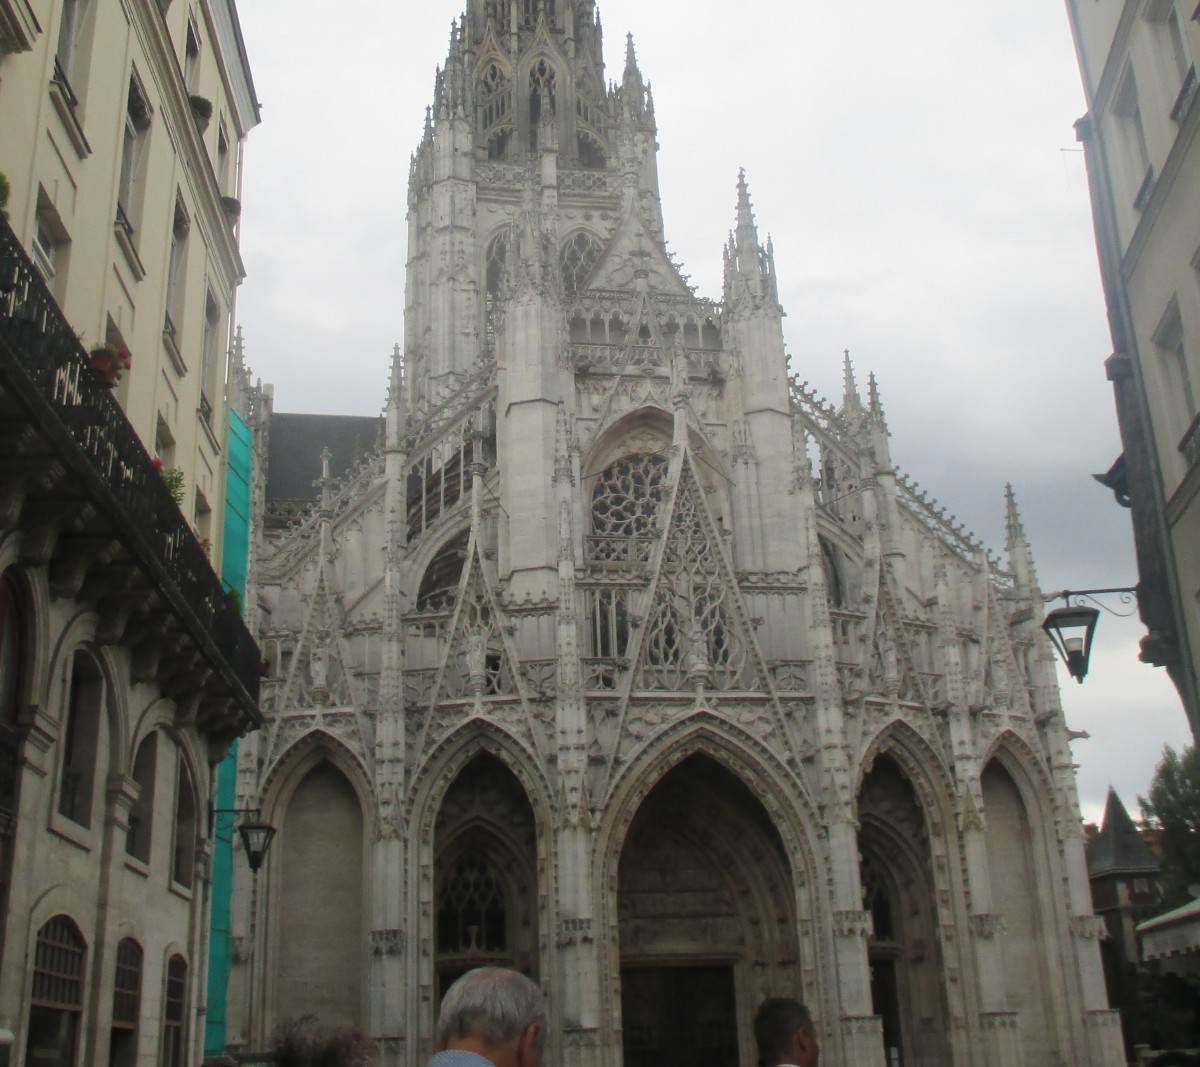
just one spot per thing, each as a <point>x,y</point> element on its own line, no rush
<point>497,1013</point>
<point>784,1031</point>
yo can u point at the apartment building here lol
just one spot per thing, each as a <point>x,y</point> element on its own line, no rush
<point>1137,60</point>
<point>125,668</point>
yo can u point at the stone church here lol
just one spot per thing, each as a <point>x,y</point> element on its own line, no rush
<point>614,653</point>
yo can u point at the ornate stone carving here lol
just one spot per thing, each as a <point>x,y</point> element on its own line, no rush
<point>853,924</point>
<point>987,926</point>
<point>387,942</point>
<point>1089,927</point>
<point>573,931</point>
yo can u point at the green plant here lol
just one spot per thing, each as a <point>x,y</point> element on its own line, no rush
<point>173,479</point>
<point>234,598</point>
<point>202,108</point>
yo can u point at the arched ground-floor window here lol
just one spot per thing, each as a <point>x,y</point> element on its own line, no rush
<point>56,1005</point>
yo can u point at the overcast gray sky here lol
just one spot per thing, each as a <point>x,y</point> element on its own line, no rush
<point>917,169</point>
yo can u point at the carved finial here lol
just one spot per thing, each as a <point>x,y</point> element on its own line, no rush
<point>1020,556</point>
<point>747,231</point>
<point>851,401</point>
<point>876,405</point>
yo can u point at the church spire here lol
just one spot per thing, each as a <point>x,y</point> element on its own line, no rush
<point>747,231</point>
<point>749,268</point>
<point>1020,557</point>
<point>635,109</point>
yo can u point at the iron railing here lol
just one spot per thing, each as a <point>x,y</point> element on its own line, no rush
<point>45,368</point>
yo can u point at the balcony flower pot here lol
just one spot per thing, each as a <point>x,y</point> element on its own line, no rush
<point>202,110</point>
<point>108,362</point>
<point>232,207</point>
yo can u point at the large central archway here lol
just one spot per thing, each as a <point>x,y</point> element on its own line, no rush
<point>706,916</point>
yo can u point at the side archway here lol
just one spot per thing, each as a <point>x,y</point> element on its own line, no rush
<point>1020,894</point>
<point>317,888</point>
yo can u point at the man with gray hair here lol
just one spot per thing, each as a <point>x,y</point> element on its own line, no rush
<point>784,1031</point>
<point>491,1016</point>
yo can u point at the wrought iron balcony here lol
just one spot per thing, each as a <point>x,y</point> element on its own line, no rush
<point>74,473</point>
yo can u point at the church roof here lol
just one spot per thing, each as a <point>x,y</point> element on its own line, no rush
<point>296,444</point>
<point>1119,848</point>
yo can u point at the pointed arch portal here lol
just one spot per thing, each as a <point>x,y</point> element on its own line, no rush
<point>485,875</point>
<point>706,920</point>
<point>899,891</point>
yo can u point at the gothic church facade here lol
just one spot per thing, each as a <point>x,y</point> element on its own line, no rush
<point>627,660</point>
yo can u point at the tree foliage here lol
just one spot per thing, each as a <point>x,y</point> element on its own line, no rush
<point>1173,807</point>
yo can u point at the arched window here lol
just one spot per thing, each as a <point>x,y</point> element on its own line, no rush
<point>439,584</point>
<point>145,768</point>
<point>56,1001</point>
<point>11,655</point>
<point>174,1030</point>
<point>591,152</point>
<point>493,271</point>
<point>184,856</point>
<point>542,99</point>
<point>834,592</point>
<point>12,658</point>
<point>495,96</point>
<point>127,1004</point>
<point>627,495</point>
<point>471,911</point>
<point>577,261</point>
<point>81,740</point>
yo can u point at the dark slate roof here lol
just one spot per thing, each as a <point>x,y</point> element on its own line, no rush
<point>1118,848</point>
<point>296,444</point>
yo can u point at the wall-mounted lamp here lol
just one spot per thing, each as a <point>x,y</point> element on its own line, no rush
<point>256,835</point>
<point>1073,626</point>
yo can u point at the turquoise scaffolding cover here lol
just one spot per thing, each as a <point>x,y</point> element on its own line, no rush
<point>233,573</point>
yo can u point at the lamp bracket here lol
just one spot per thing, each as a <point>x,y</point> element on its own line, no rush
<point>1125,594</point>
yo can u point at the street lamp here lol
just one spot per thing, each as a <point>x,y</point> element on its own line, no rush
<point>1073,626</point>
<point>256,835</point>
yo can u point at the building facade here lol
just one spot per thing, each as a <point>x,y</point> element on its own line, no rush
<point>121,135</point>
<point>1136,58</point>
<point>125,669</point>
<point>627,660</point>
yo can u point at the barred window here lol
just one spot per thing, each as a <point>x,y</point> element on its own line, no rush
<point>127,989</point>
<point>175,1012</point>
<point>58,965</point>
<point>56,1003</point>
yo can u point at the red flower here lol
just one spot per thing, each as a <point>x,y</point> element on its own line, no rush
<point>157,463</point>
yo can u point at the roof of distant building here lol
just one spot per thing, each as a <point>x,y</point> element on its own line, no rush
<point>296,444</point>
<point>1119,847</point>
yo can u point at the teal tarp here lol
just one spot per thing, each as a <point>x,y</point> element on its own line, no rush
<point>233,572</point>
